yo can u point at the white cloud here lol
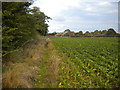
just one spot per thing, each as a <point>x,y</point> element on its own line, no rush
<point>55,27</point>
<point>104,3</point>
<point>113,11</point>
<point>90,9</point>
<point>83,13</point>
<point>54,7</point>
<point>92,14</point>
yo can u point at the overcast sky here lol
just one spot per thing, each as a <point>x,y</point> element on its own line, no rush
<point>76,15</point>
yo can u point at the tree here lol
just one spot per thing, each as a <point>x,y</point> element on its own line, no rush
<point>87,33</point>
<point>77,34</point>
<point>104,32</point>
<point>80,33</point>
<point>96,32</point>
<point>20,24</point>
<point>40,21</point>
<point>71,34</point>
<point>52,34</point>
<point>67,32</point>
<point>110,32</point>
<point>14,14</point>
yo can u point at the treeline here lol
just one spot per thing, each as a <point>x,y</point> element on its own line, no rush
<point>20,24</point>
<point>96,33</point>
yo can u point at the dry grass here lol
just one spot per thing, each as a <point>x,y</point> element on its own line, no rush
<point>48,75</point>
<point>54,62</point>
<point>36,58</point>
<point>21,70</point>
<point>17,76</point>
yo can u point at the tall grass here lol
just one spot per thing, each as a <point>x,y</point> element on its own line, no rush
<point>21,67</point>
<point>49,66</point>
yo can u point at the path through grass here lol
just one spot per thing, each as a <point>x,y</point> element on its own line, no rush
<point>47,76</point>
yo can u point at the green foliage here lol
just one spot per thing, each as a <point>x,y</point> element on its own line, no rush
<point>67,32</point>
<point>88,62</point>
<point>52,34</point>
<point>96,33</point>
<point>104,32</point>
<point>87,33</point>
<point>40,21</point>
<point>80,32</point>
<point>11,13</point>
<point>20,24</point>
<point>111,31</point>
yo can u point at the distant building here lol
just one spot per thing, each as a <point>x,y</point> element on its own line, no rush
<point>59,34</point>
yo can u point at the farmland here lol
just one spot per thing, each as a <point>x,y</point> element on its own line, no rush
<point>90,62</point>
<point>74,47</point>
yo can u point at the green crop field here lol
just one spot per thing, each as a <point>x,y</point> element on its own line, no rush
<point>88,61</point>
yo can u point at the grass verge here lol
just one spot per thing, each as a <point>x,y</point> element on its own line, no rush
<point>48,74</point>
<point>21,68</point>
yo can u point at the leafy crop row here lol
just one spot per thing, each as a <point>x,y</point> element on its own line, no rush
<point>88,62</point>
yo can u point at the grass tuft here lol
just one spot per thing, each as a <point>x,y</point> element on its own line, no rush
<point>20,70</point>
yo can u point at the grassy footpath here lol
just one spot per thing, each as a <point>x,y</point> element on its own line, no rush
<point>34,66</point>
<point>42,75</point>
<point>47,76</point>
